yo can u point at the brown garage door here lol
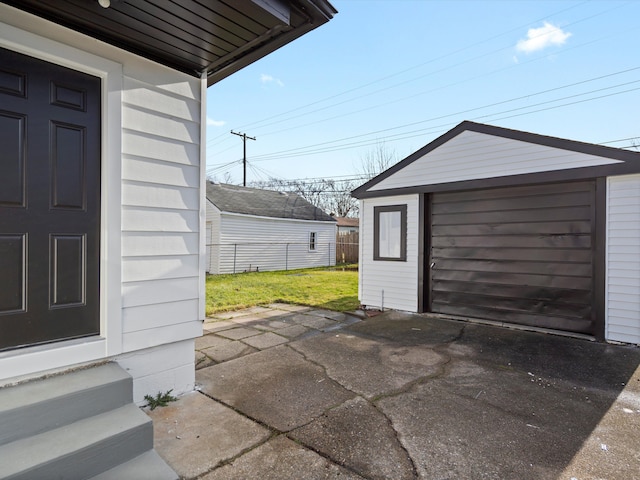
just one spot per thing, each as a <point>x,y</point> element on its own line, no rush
<point>522,255</point>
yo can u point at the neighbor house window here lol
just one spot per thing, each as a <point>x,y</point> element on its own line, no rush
<point>312,241</point>
<point>390,233</point>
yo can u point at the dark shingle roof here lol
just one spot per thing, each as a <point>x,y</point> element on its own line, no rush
<point>263,203</point>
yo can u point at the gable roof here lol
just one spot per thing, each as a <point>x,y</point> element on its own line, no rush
<point>215,38</point>
<point>583,160</point>
<point>263,203</point>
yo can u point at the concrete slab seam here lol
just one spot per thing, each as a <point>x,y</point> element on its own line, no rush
<point>229,461</point>
<point>328,458</point>
<point>414,468</point>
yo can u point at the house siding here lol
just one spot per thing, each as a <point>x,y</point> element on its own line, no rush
<point>623,259</point>
<point>213,239</point>
<point>472,155</point>
<point>151,244</point>
<point>273,243</point>
<point>160,212</point>
<point>389,284</point>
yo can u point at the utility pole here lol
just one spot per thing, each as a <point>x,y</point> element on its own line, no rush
<point>244,154</point>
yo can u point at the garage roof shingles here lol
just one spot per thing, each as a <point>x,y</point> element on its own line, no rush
<point>263,203</point>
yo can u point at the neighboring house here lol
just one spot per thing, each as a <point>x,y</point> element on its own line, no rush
<point>102,180</point>
<point>250,229</point>
<point>347,225</point>
<point>496,224</point>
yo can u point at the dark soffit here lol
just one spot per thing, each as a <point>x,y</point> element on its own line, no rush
<point>218,37</point>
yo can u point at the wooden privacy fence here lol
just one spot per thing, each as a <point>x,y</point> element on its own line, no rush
<point>347,247</point>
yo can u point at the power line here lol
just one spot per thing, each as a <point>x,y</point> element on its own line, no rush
<point>422,64</point>
<point>305,150</point>
<point>420,77</point>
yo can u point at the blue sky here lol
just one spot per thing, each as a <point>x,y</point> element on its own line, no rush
<point>403,72</point>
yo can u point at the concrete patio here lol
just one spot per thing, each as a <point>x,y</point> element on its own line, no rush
<point>287,392</point>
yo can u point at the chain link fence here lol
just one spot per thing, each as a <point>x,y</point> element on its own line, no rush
<point>262,256</point>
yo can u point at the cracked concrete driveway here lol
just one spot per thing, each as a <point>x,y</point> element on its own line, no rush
<point>401,396</point>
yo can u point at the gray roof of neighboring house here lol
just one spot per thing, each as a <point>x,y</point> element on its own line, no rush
<point>263,203</point>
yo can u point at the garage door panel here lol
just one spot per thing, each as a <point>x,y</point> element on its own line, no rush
<point>519,241</point>
<point>515,216</point>
<point>523,280</point>
<point>521,191</point>
<point>522,255</point>
<point>499,292</point>
<point>571,199</point>
<point>518,305</point>
<point>506,316</point>
<point>534,268</point>
<point>541,228</point>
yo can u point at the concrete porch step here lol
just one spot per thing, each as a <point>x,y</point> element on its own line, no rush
<point>148,466</point>
<point>77,425</point>
<point>81,449</point>
<point>37,406</point>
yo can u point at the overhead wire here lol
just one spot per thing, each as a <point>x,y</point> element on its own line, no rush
<point>424,75</point>
<point>338,144</point>
<point>422,64</point>
<point>303,150</point>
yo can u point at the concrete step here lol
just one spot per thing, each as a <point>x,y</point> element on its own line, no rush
<point>80,450</point>
<point>148,466</point>
<point>37,406</point>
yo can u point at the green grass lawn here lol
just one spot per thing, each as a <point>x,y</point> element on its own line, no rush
<point>333,288</point>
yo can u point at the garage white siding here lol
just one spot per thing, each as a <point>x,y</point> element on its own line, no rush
<point>250,242</point>
<point>623,259</point>
<point>389,284</point>
<point>473,155</point>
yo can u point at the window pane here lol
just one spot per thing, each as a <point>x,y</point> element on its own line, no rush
<point>390,234</point>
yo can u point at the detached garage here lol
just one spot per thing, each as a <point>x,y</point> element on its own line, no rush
<point>507,226</point>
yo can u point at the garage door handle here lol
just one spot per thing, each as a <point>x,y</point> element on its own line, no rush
<point>433,264</point>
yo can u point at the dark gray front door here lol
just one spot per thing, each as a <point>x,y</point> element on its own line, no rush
<point>521,255</point>
<point>49,202</point>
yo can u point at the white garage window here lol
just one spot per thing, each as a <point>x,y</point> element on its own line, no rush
<point>390,233</point>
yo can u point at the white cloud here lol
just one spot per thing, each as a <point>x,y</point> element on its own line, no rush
<point>264,78</point>
<point>540,38</point>
<point>215,123</point>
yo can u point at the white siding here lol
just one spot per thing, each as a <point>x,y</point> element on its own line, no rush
<point>249,242</point>
<point>160,216</point>
<point>213,239</point>
<point>473,155</point>
<point>389,284</point>
<point>162,368</point>
<point>152,176</point>
<point>623,259</point>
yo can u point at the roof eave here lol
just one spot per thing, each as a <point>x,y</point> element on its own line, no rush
<point>555,142</point>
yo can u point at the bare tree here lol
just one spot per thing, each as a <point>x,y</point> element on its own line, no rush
<point>226,178</point>
<point>375,161</point>
<point>331,196</point>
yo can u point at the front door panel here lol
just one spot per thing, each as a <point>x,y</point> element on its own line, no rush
<point>49,202</point>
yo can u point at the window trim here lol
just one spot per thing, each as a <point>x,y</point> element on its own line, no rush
<point>402,209</point>
<point>313,244</point>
